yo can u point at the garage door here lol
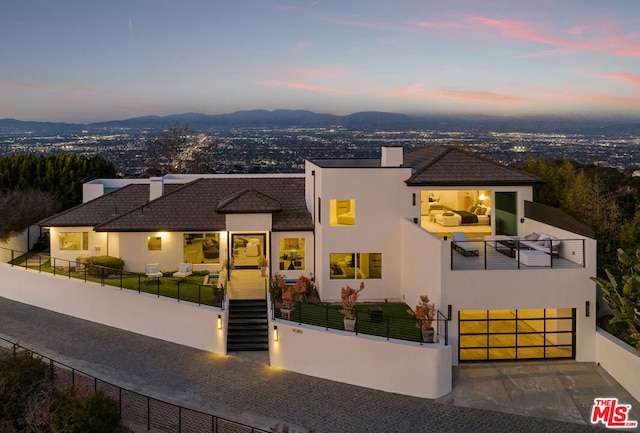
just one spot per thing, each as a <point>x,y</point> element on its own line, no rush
<point>542,333</point>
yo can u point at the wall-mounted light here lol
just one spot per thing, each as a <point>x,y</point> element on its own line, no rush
<point>219,321</point>
<point>522,220</point>
<point>586,308</point>
<point>414,198</point>
<point>275,333</point>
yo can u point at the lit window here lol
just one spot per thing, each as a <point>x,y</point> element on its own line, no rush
<point>370,265</point>
<point>292,254</point>
<point>154,243</point>
<point>342,212</point>
<point>353,266</point>
<point>74,241</point>
<point>201,248</point>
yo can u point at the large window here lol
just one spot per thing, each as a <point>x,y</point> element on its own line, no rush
<point>355,265</point>
<point>292,254</point>
<point>201,248</point>
<point>342,212</point>
<point>74,241</point>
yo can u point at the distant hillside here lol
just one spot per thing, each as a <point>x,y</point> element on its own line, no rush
<point>370,120</point>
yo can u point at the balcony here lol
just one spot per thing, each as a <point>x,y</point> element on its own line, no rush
<point>505,253</point>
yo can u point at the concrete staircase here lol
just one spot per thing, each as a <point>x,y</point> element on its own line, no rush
<point>247,325</point>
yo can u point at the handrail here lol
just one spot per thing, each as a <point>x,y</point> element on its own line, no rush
<point>186,291</point>
<point>371,323</point>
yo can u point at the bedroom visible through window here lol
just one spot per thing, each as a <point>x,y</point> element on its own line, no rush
<point>353,266</point>
<point>342,212</point>
<point>74,241</point>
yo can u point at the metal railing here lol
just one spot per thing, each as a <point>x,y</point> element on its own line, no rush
<point>165,286</point>
<point>138,409</point>
<point>504,253</point>
<point>370,320</point>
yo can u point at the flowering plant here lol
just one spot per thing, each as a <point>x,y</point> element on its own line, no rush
<point>296,293</point>
<point>425,312</point>
<point>276,286</point>
<point>349,298</point>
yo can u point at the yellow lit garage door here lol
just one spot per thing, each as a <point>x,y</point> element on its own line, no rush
<point>487,335</point>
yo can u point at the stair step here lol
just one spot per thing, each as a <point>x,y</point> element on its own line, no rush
<point>247,325</point>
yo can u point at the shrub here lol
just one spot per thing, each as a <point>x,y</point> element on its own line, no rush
<point>79,413</point>
<point>96,265</point>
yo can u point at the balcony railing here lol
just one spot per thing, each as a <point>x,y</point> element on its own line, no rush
<point>506,253</point>
<point>166,286</point>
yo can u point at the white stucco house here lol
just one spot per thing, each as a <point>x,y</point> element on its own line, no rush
<point>516,287</point>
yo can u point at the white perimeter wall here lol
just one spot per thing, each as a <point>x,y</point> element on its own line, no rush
<point>620,360</point>
<point>400,367</point>
<point>162,318</point>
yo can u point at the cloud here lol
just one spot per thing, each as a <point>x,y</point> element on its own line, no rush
<point>620,76</point>
<point>52,89</point>
<point>418,91</point>
<point>300,85</point>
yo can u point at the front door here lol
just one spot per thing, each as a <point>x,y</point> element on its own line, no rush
<point>246,249</point>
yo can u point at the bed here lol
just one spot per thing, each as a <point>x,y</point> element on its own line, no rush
<point>454,218</point>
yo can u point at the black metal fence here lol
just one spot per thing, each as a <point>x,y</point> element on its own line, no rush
<point>166,286</point>
<point>138,410</point>
<point>370,320</point>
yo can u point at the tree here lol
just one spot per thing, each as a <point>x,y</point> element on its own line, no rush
<point>622,294</point>
<point>20,209</point>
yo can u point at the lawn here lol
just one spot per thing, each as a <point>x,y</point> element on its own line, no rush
<point>185,289</point>
<point>394,323</point>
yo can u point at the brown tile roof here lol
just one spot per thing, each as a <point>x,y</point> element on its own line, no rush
<point>103,208</point>
<point>201,205</point>
<point>454,166</point>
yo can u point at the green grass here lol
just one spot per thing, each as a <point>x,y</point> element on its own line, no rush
<point>188,289</point>
<point>396,322</point>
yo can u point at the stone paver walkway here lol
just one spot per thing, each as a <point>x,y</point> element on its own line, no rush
<point>241,389</point>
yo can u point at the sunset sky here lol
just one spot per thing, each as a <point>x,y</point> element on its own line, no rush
<point>85,61</point>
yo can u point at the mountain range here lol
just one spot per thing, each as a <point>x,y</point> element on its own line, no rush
<point>365,121</point>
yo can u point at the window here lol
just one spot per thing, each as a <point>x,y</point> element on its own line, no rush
<point>74,241</point>
<point>201,248</point>
<point>292,254</point>
<point>355,266</point>
<point>342,212</point>
<point>154,243</point>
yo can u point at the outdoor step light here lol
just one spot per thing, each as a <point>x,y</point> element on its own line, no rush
<point>219,321</point>
<point>275,333</point>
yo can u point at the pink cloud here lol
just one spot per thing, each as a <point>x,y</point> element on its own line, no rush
<point>620,76</point>
<point>300,85</point>
<point>308,72</point>
<point>418,91</point>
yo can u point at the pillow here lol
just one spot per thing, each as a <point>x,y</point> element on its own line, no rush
<point>472,209</point>
<point>488,211</point>
<point>532,237</point>
<point>483,210</point>
<point>208,242</point>
<point>152,269</point>
<point>448,213</point>
<point>477,211</point>
<point>547,243</point>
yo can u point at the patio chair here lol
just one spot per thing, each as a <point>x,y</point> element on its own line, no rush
<point>462,245</point>
<point>184,270</point>
<point>152,270</point>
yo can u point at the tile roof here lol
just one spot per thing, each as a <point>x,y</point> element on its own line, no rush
<point>202,204</point>
<point>454,166</point>
<point>103,208</point>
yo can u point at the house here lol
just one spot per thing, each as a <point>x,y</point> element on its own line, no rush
<point>388,222</point>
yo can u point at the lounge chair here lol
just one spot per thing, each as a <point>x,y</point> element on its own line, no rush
<point>152,270</point>
<point>184,270</point>
<point>462,245</point>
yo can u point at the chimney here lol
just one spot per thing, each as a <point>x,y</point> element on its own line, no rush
<point>156,188</point>
<point>391,157</point>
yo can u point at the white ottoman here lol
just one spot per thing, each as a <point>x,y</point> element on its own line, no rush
<point>533,258</point>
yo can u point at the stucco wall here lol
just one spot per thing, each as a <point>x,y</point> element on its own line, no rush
<point>163,318</point>
<point>620,360</point>
<point>372,362</point>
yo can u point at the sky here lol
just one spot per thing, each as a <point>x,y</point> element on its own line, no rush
<point>84,61</point>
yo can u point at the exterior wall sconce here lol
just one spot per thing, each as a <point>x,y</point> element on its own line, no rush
<point>521,220</point>
<point>586,308</point>
<point>275,333</point>
<point>219,321</point>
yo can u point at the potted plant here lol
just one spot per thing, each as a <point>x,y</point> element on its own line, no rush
<point>349,298</point>
<point>228,265</point>
<point>425,312</point>
<point>263,262</point>
<point>291,294</point>
<point>276,284</point>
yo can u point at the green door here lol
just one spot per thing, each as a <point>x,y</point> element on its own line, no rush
<point>506,213</point>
